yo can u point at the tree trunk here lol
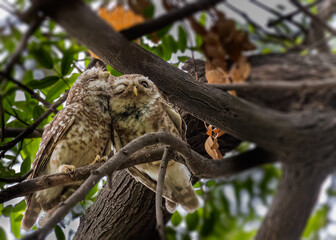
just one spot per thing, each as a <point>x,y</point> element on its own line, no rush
<point>127,211</point>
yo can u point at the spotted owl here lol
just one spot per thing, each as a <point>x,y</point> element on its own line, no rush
<point>138,108</point>
<point>75,136</point>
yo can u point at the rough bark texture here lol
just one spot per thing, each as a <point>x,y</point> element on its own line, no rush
<point>127,211</point>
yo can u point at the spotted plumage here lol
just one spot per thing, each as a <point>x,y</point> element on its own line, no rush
<point>75,136</point>
<point>138,108</point>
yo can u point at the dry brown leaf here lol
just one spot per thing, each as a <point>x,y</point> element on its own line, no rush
<point>215,75</point>
<point>211,147</point>
<point>240,70</point>
<point>119,18</point>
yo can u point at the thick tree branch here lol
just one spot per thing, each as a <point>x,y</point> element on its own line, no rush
<point>32,127</point>
<point>265,127</point>
<point>14,132</point>
<point>294,201</point>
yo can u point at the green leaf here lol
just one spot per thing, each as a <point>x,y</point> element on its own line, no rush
<point>43,57</point>
<point>170,233</point>
<point>163,31</point>
<point>7,210</point>
<point>176,219</point>
<point>2,234</point>
<point>20,206</point>
<point>182,39</point>
<point>113,71</point>
<point>43,83</point>
<point>92,192</point>
<point>59,233</point>
<point>317,221</point>
<point>209,224</point>
<point>202,19</point>
<point>25,166</point>
<point>56,91</point>
<point>149,11</point>
<point>192,220</point>
<point>66,62</point>
<point>15,220</point>
<point>37,112</point>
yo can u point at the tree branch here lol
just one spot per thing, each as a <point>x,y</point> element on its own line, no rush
<point>27,89</point>
<point>265,127</point>
<point>16,179</point>
<point>115,163</point>
<point>313,17</point>
<point>166,19</point>
<point>275,85</point>
<point>14,132</point>
<point>159,190</point>
<point>289,16</point>
<point>200,167</point>
<point>22,45</point>
<point>293,203</point>
<point>32,127</point>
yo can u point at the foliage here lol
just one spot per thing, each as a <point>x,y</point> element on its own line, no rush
<point>233,208</point>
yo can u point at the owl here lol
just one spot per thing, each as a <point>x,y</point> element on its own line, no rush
<point>138,108</point>
<point>75,136</point>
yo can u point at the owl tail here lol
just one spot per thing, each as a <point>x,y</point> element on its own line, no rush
<point>33,209</point>
<point>178,184</point>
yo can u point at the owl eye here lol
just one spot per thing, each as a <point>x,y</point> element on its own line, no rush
<point>120,88</point>
<point>145,84</point>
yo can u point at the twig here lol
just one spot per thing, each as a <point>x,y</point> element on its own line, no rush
<point>214,168</point>
<point>32,127</point>
<point>27,89</point>
<point>2,115</point>
<point>289,16</point>
<point>22,45</point>
<point>313,17</point>
<point>163,21</point>
<point>78,69</point>
<point>277,85</point>
<point>169,18</point>
<point>159,190</point>
<point>255,24</point>
<point>194,161</point>
<point>7,9</point>
<point>276,13</point>
<point>16,179</point>
<point>79,174</point>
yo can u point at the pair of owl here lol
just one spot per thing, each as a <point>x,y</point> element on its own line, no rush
<point>102,110</point>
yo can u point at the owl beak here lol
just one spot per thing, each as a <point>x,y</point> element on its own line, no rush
<point>104,74</point>
<point>135,90</point>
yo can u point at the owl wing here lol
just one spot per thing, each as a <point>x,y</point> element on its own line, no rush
<point>176,119</point>
<point>53,132</point>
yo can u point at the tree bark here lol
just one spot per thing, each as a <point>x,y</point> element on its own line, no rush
<point>127,211</point>
<point>294,201</point>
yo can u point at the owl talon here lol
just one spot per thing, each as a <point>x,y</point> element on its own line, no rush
<point>99,159</point>
<point>67,169</point>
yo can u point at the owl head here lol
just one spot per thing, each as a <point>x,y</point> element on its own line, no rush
<point>132,91</point>
<point>93,82</point>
